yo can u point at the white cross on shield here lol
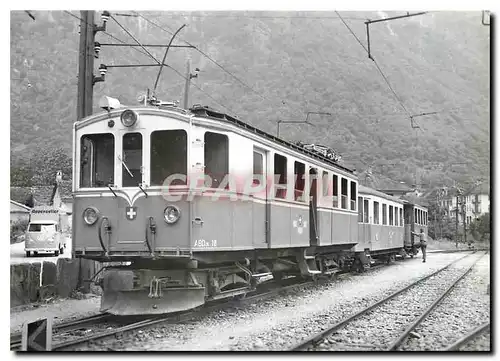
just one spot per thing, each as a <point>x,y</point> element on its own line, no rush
<point>300,225</point>
<point>130,213</point>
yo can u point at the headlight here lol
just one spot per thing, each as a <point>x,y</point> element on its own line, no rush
<point>129,118</point>
<point>172,214</point>
<point>90,215</point>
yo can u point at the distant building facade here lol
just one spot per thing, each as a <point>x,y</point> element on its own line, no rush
<point>473,205</point>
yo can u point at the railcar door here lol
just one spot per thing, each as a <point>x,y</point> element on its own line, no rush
<point>313,207</point>
<point>261,207</point>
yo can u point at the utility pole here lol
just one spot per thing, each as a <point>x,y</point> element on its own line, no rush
<point>89,49</point>
<point>86,24</point>
<point>456,224</point>
<point>464,198</point>
<point>189,76</point>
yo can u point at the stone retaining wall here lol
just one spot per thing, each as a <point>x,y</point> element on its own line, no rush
<point>32,282</point>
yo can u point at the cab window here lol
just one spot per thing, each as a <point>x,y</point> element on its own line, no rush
<point>132,160</point>
<point>168,156</point>
<point>97,160</point>
<point>216,158</point>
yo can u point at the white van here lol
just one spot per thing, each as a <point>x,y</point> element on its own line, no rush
<point>44,233</point>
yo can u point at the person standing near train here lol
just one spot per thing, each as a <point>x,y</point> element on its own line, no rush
<point>423,242</point>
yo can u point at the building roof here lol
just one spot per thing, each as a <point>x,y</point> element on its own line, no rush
<point>21,207</point>
<point>43,194</point>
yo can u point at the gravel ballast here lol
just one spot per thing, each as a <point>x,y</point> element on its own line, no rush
<point>466,307</point>
<point>281,322</point>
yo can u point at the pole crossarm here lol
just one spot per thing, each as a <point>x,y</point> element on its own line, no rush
<point>149,45</point>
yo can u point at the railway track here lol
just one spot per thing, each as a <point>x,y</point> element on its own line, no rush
<point>468,337</point>
<point>330,339</point>
<point>102,326</point>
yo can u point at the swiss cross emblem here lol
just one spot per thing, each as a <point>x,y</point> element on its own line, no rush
<point>300,225</point>
<point>130,213</point>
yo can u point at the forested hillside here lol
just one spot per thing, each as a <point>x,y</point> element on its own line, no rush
<point>291,63</point>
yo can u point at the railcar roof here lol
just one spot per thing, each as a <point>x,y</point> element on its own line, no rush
<point>207,112</point>
<point>373,192</point>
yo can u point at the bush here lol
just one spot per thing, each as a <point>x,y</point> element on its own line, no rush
<point>17,229</point>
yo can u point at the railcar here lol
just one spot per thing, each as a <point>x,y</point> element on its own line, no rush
<point>380,226</point>
<point>202,205</point>
<point>416,219</point>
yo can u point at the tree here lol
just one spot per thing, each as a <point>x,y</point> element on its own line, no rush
<point>41,168</point>
<point>480,228</point>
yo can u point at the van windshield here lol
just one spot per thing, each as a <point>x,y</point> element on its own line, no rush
<point>41,227</point>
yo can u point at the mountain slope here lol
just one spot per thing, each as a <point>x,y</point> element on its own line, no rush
<point>295,63</point>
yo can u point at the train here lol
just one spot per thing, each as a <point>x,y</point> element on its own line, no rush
<point>187,206</point>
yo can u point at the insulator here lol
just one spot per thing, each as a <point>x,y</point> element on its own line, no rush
<point>97,49</point>
<point>103,69</point>
<point>105,16</point>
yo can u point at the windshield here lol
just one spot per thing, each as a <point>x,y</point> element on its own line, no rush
<point>41,227</point>
<point>97,160</point>
<point>132,160</point>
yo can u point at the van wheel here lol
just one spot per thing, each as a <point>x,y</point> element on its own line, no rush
<point>56,253</point>
<point>28,254</point>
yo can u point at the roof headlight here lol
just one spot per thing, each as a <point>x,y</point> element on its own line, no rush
<point>129,118</point>
<point>172,214</point>
<point>90,215</point>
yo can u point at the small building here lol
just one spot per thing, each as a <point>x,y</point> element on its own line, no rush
<point>58,195</point>
<point>19,212</point>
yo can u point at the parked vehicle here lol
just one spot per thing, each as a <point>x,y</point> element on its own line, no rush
<point>44,232</point>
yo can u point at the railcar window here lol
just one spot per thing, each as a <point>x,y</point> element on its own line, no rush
<point>416,216</point>
<point>132,159</point>
<point>396,218</point>
<point>353,196</point>
<point>216,158</point>
<point>168,156</point>
<point>425,218</point>
<point>97,160</point>
<point>258,168</point>
<point>376,211</point>
<point>419,216</point>
<point>335,191</point>
<point>325,184</point>
<point>384,214</point>
<point>299,170</point>
<point>391,215</point>
<point>365,207</point>
<point>280,176</point>
<point>360,211</point>
<point>401,222</point>
<point>343,193</point>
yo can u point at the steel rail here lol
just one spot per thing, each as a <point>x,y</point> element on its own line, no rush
<point>178,317</point>
<point>402,337</point>
<point>315,339</point>
<point>16,338</point>
<point>471,335</point>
